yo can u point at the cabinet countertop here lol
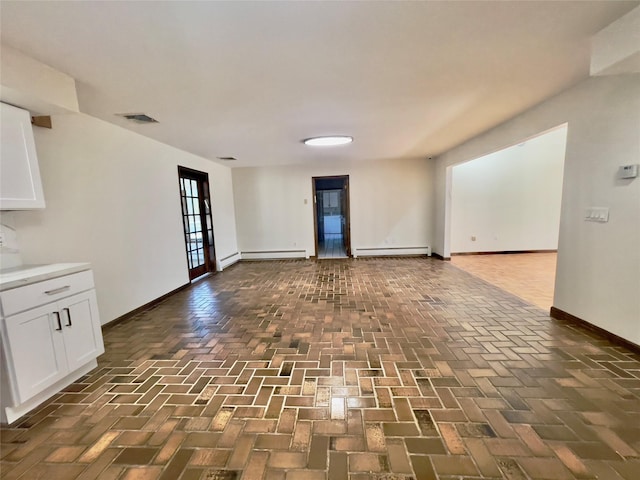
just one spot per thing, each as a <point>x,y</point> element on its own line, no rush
<point>28,274</point>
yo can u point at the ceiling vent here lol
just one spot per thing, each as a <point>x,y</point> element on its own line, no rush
<point>138,117</point>
<point>227,159</point>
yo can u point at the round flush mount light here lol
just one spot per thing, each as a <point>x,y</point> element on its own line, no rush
<point>328,141</point>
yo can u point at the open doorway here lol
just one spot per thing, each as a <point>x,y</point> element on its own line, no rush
<point>331,216</point>
<point>505,215</point>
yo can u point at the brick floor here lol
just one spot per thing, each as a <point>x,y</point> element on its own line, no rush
<point>358,369</point>
<point>530,276</point>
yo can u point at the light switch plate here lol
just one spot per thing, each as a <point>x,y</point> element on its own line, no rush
<point>597,214</point>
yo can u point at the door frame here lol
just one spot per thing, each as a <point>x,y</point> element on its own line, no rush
<point>347,213</point>
<point>209,248</point>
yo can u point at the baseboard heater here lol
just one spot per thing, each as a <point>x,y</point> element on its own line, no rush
<point>390,251</point>
<point>273,254</point>
<point>228,261</point>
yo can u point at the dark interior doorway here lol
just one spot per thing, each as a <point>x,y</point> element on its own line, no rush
<point>197,221</point>
<point>331,216</point>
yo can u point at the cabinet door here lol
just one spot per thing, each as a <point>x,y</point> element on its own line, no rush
<point>20,183</point>
<point>36,347</point>
<point>81,326</point>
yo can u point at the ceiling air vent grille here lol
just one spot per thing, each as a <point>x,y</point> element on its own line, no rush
<point>227,159</point>
<point>138,117</point>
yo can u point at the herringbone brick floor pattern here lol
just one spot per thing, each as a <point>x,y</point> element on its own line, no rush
<point>345,369</point>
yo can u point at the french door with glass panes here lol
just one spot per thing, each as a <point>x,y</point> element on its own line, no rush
<point>196,218</point>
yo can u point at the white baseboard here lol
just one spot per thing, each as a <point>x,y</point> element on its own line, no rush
<point>228,261</point>
<point>274,254</point>
<point>390,251</point>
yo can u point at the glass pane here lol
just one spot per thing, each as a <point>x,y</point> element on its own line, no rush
<point>196,206</point>
<point>187,187</point>
<point>197,227</point>
<point>200,256</point>
<point>192,223</point>
<point>194,188</point>
<point>189,203</point>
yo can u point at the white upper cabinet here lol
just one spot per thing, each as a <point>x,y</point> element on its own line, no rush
<point>20,184</point>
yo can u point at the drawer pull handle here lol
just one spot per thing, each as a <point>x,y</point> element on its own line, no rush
<point>58,290</point>
<point>68,317</point>
<point>57,314</point>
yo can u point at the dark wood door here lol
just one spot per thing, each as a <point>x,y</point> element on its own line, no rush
<point>346,224</point>
<point>319,216</point>
<point>196,219</point>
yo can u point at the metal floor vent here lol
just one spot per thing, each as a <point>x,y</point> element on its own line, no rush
<point>138,117</point>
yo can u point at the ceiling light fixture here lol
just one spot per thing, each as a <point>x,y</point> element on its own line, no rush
<point>329,141</point>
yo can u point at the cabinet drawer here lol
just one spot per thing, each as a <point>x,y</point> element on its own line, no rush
<point>31,296</point>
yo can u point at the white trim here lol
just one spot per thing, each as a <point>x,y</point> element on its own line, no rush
<point>390,251</point>
<point>228,261</point>
<point>11,414</point>
<point>274,254</point>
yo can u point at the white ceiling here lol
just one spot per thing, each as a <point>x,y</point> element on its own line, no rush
<point>252,79</point>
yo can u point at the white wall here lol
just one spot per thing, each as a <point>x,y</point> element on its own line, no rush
<point>616,48</point>
<point>390,203</point>
<point>598,273</point>
<point>113,200</point>
<point>510,200</point>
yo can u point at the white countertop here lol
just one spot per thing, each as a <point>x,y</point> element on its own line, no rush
<point>28,274</point>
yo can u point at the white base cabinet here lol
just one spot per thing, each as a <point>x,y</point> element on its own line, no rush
<point>35,353</point>
<point>44,345</point>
